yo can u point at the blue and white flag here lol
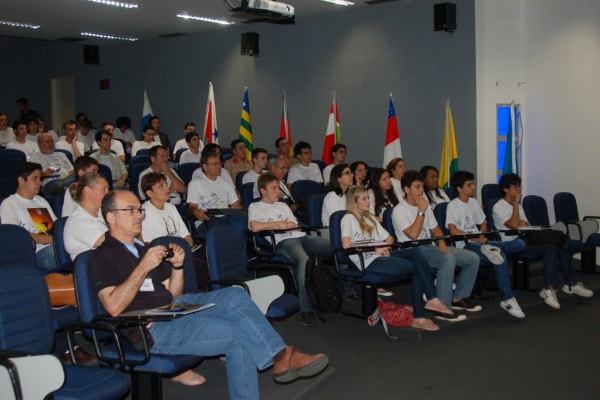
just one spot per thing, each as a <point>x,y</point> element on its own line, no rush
<point>146,112</point>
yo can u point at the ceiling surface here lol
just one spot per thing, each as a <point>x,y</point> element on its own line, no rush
<point>65,20</point>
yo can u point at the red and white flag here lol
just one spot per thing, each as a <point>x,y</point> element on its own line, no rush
<point>392,136</point>
<point>284,128</point>
<point>211,133</point>
<point>333,135</point>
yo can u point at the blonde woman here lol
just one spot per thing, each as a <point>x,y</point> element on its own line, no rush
<point>360,225</point>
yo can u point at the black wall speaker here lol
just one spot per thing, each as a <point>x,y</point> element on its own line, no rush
<point>249,44</point>
<point>444,17</point>
<point>91,55</point>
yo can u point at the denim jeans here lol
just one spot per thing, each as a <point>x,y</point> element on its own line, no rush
<point>46,259</point>
<point>299,250</point>
<point>234,327</point>
<point>445,264</point>
<point>551,255</point>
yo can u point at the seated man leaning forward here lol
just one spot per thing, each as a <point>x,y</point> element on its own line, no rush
<point>269,214</point>
<point>130,276</point>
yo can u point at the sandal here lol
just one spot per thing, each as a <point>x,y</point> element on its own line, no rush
<point>438,307</point>
<point>189,378</point>
<point>425,324</point>
<point>384,293</point>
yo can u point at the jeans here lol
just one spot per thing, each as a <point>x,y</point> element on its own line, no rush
<point>552,254</point>
<point>299,250</point>
<point>501,271</point>
<point>234,327</point>
<point>445,264</point>
<point>46,259</point>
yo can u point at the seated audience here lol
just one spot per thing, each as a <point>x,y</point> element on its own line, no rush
<point>396,169</point>
<point>279,167</point>
<point>508,214</point>
<point>115,145</point>
<point>122,265</point>
<point>338,154</point>
<point>381,193</point>
<point>335,200</point>
<point>238,163</point>
<point>182,143</point>
<point>212,148</point>
<point>193,153</point>
<point>260,157</point>
<point>161,137</point>
<point>284,149</point>
<point>360,169</point>
<point>360,225</point>
<point>106,157</point>
<point>465,215</point>
<point>83,165</point>
<point>86,134</point>
<point>159,158</point>
<point>148,141</point>
<point>20,142</point>
<point>25,208</point>
<point>305,169</point>
<point>69,142</point>
<point>434,193</point>
<point>56,166</point>
<point>270,213</point>
<point>124,131</point>
<point>6,132</point>
<point>413,220</point>
<point>85,228</point>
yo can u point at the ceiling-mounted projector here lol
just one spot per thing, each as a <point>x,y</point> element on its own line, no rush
<point>261,10</point>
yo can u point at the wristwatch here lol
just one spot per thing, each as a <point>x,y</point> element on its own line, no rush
<point>421,214</point>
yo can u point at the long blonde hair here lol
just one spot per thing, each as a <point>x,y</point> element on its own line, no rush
<point>351,198</point>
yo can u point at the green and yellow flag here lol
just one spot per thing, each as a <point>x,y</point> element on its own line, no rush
<point>449,164</point>
<point>246,127</point>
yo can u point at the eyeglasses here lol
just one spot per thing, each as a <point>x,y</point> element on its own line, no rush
<point>131,210</point>
<point>347,173</point>
<point>212,163</point>
<point>169,232</point>
<point>282,168</point>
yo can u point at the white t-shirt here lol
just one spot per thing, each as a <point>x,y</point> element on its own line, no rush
<point>53,160</point>
<point>64,145</point>
<point>301,173</point>
<point>15,211</point>
<point>182,144</point>
<point>211,194</point>
<point>28,147</point>
<point>87,140</point>
<point>175,197</point>
<point>115,146</point>
<point>404,215</point>
<point>465,216</point>
<point>501,213</point>
<point>82,230</point>
<point>198,173</point>
<point>7,135</point>
<point>251,177</point>
<point>127,136</point>
<point>69,205</point>
<point>327,173</point>
<point>442,198</point>
<point>332,203</point>
<point>34,138</point>
<point>372,206</point>
<point>140,144</point>
<point>263,212</point>
<point>351,229</point>
<point>189,157</point>
<point>165,222</point>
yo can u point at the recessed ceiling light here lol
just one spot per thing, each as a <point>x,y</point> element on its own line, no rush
<point>103,36</point>
<point>115,3</point>
<point>19,24</point>
<point>340,2</point>
<point>215,21</point>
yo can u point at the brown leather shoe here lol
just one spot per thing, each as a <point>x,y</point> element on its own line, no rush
<point>291,364</point>
<point>81,357</point>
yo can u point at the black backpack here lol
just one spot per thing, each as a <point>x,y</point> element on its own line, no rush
<point>322,288</point>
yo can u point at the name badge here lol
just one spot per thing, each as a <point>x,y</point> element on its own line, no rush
<point>147,286</point>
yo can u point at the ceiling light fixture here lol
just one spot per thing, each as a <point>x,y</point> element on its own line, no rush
<point>103,36</point>
<point>19,24</point>
<point>340,2</point>
<point>215,21</point>
<point>115,3</point>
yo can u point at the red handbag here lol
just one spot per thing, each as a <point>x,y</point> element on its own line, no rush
<point>391,314</point>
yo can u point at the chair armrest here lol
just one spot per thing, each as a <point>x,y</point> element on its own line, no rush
<point>228,282</point>
<point>276,267</point>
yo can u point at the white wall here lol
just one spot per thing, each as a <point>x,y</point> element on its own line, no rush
<point>554,47</point>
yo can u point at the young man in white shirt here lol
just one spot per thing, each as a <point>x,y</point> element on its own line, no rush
<point>104,156</point>
<point>6,132</point>
<point>124,131</point>
<point>147,142</point>
<point>20,142</point>
<point>212,148</point>
<point>69,142</point>
<point>211,191</point>
<point>270,214</point>
<point>182,143</point>
<point>305,170</point>
<point>464,215</point>
<point>260,157</point>
<point>159,158</point>
<point>413,220</point>
<point>115,145</point>
<point>338,152</point>
<point>508,214</point>
<point>194,151</point>
<point>19,208</point>
<point>86,134</point>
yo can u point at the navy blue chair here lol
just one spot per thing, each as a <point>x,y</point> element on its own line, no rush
<point>57,203</point>
<point>146,369</point>
<point>190,284</point>
<point>134,177</point>
<point>348,271</point>
<point>321,164</point>
<point>228,265</point>
<point>301,191</point>
<point>490,191</point>
<point>107,174</point>
<point>9,160</point>
<point>226,157</point>
<point>451,193</point>
<point>26,325</point>
<point>179,153</point>
<point>439,212</point>
<point>127,155</point>
<point>8,186</point>
<point>142,152</point>
<point>314,209</point>
<point>388,223</point>
<point>536,210</point>
<point>238,180</point>
<point>66,153</point>
<point>63,259</point>
<point>247,194</point>
<point>186,171</point>
<point>140,159</point>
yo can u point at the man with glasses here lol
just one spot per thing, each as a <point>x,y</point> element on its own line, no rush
<point>6,132</point>
<point>305,170</point>
<point>211,191</point>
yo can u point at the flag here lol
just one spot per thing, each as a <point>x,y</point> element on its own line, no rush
<point>449,164</point>
<point>509,153</point>
<point>392,136</point>
<point>146,112</point>
<point>211,133</point>
<point>246,126</point>
<point>518,142</point>
<point>333,135</point>
<point>284,128</point>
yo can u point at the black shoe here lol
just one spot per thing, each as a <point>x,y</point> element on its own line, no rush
<point>454,318</point>
<point>463,304</point>
<point>308,318</point>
